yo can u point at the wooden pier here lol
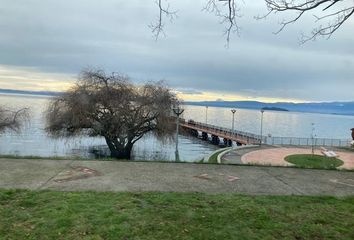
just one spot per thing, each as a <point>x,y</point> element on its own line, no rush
<point>228,136</point>
<point>216,134</point>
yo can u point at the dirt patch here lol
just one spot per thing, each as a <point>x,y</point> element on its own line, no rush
<point>206,176</point>
<point>76,173</point>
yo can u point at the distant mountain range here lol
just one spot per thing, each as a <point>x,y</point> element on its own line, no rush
<point>342,108</point>
<point>41,93</point>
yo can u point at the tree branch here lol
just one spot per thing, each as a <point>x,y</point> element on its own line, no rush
<point>335,18</point>
<point>12,119</point>
<point>229,18</point>
<point>157,28</point>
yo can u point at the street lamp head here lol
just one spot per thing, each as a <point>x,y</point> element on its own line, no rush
<point>262,110</point>
<point>233,111</point>
<point>178,111</point>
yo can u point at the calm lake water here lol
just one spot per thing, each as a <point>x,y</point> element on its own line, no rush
<point>34,141</point>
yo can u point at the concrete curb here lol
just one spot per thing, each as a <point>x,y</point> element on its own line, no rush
<point>206,159</point>
<point>233,148</point>
<point>223,153</point>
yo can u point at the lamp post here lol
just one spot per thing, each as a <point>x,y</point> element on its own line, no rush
<point>178,111</point>
<point>206,114</point>
<point>262,112</point>
<point>313,138</point>
<point>233,119</point>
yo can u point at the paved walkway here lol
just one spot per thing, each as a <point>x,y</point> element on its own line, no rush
<point>276,156</point>
<point>177,177</point>
<point>234,156</point>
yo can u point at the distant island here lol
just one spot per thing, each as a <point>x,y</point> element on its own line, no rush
<point>339,108</point>
<point>275,109</point>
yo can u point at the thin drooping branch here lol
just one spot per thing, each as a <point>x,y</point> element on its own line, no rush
<point>226,10</point>
<point>157,28</point>
<point>12,119</point>
<point>335,13</point>
<point>228,14</point>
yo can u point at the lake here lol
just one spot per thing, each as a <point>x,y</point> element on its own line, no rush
<point>34,141</point>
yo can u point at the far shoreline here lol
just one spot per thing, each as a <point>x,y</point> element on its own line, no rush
<point>48,94</point>
<point>277,111</point>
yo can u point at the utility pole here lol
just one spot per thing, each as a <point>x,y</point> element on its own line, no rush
<point>233,119</point>
<point>262,112</point>
<point>178,111</point>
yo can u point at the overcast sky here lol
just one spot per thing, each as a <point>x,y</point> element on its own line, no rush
<point>45,44</point>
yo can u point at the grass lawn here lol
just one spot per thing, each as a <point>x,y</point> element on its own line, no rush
<point>93,215</point>
<point>314,161</point>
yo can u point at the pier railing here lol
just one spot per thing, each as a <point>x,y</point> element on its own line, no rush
<point>295,141</point>
<point>243,137</point>
<point>250,138</point>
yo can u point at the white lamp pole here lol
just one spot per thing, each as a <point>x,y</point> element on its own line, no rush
<point>262,112</point>
<point>206,114</point>
<point>313,138</point>
<point>178,111</point>
<point>233,119</point>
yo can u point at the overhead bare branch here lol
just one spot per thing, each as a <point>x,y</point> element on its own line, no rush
<point>226,10</point>
<point>334,14</point>
<point>157,28</point>
<point>227,13</point>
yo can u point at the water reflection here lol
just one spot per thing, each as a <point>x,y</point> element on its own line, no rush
<point>33,141</point>
<point>284,124</point>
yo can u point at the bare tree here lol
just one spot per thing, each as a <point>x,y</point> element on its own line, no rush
<point>12,119</point>
<point>334,14</point>
<point>112,107</point>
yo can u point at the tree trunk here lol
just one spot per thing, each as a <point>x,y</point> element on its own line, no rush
<point>124,153</point>
<point>121,152</point>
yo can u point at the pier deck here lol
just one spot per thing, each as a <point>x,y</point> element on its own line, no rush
<point>236,136</point>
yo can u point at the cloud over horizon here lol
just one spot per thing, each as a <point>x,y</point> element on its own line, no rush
<point>44,46</point>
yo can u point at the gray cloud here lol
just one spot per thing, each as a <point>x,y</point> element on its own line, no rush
<point>66,36</point>
<point>188,91</point>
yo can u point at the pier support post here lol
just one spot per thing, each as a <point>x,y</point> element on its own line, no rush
<point>194,132</point>
<point>226,142</point>
<point>205,136</point>
<point>215,139</point>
